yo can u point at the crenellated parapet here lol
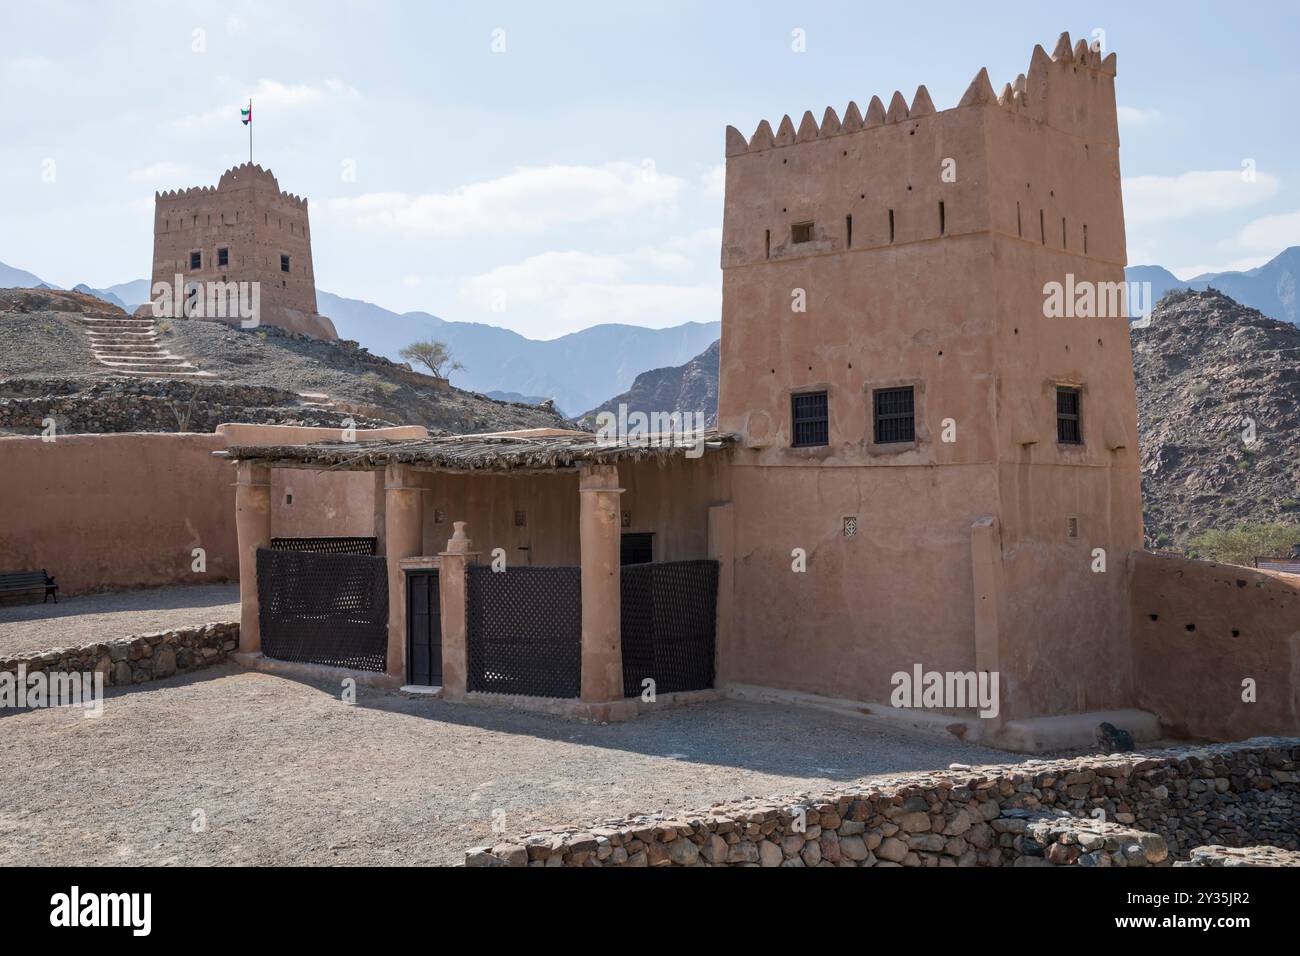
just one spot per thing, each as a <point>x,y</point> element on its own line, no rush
<point>237,177</point>
<point>1071,90</point>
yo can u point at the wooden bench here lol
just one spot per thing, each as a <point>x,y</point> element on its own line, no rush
<point>21,582</point>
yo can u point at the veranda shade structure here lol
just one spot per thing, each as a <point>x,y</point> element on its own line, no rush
<point>469,453</point>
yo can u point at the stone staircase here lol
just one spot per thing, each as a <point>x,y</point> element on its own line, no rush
<point>128,345</point>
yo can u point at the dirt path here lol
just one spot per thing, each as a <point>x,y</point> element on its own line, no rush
<point>90,618</point>
<point>286,773</point>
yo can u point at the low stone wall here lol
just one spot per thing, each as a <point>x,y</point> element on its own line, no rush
<point>135,660</point>
<point>1122,810</point>
<point>83,407</point>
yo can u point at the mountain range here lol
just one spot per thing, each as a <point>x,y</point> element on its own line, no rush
<point>1270,288</point>
<point>583,369</point>
<point>578,371</point>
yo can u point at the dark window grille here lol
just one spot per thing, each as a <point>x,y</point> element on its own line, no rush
<point>895,415</point>
<point>327,545</point>
<point>524,630</point>
<point>323,608</point>
<point>196,260</point>
<point>223,257</point>
<point>284,263</point>
<point>811,419</point>
<point>1068,428</point>
<point>669,618</point>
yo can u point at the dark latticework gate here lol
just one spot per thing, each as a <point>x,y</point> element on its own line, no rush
<point>323,608</point>
<point>525,630</point>
<point>670,611</point>
<point>327,545</point>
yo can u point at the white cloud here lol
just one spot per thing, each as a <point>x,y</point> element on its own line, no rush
<point>163,173</point>
<point>275,95</point>
<point>1253,245</point>
<point>1270,234</point>
<point>554,293</point>
<point>1149,199</point>
<point>715,180</point>
<point>530,199</point>
<point>1133,116</point>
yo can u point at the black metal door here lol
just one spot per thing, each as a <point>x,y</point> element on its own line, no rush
<point>423,629</point>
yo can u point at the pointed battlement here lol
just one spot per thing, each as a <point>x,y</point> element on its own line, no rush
<point>245,175</point>
<point>1072,90</point>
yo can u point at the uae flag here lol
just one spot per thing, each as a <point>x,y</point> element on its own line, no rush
<point>246,116</point>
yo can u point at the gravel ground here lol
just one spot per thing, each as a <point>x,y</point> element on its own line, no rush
<point>43,343</point>
<point>90,618</point>
<point>286,773</point>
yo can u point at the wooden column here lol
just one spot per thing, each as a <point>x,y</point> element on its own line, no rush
<point>253,531</point>
<point>599,529</point>
<point>403,538</point>
<point>452,602</point>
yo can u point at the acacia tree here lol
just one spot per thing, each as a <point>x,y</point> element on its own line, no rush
<point>1246,542</point>
<point>433,355</point>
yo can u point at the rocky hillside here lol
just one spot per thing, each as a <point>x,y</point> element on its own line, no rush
<point>688,388</point>
<point>264,375</point>
<point>1207,368</point>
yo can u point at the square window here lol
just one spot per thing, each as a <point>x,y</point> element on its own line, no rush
<point>801,232</point>
<point>1068,404</point>
<point>636,547</point>
<point>223,256</point>
<point>284,263</point>
<point>196,260</point>
<point>810,417</point>
<point>895,415</point>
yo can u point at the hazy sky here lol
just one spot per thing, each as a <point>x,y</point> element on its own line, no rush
<point>572,175</point>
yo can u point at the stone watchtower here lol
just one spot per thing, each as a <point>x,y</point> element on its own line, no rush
<point>955,464</point>
<point>243,230</point>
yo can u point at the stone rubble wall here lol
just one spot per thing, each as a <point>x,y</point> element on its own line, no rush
<point>136,660</point>
<point>143,405</point>
<point>1156,808</point>
<point>1241,856</point>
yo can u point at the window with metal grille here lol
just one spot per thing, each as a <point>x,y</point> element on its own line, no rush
<point>895,414</point>
<point>284,263</point>
<point>810,417</point>
<point>223,257</point>
<point>1068,430</point>
<point>196,260</point>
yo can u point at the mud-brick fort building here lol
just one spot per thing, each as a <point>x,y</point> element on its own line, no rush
<point>949,456</point>
<point>243,230</point>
